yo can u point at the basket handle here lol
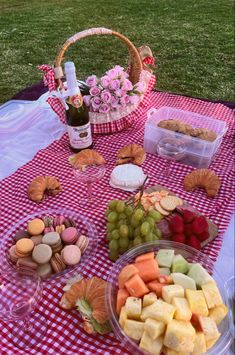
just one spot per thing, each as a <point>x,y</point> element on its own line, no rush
<point>136,62</point>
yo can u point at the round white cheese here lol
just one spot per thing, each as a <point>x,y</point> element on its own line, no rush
<point>127,177</point>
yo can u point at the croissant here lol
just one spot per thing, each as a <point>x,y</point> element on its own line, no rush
<point>86,157</point>
<point>204,178</point>
<point>42,186</point>
<point>132,153</point>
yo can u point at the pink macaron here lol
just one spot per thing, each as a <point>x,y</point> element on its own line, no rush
<point>69,235</point>
<point>58,220</point>
<point>71,255</point>
<point>82,243</point>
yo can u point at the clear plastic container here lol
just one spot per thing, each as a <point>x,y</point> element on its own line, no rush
<point>192,255</point>
<point>84,225</point>
<point>183,148</point>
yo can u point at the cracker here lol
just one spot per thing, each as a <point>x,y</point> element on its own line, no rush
<point>160,209</point>
<point>168,203</point>
<point>177,200</point>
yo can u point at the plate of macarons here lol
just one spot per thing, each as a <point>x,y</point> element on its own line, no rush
<point>54,243</point>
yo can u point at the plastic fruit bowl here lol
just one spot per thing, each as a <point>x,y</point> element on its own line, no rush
<point>192,255</point>
<point>84,225</point>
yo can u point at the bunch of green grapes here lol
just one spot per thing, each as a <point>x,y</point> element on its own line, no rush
<point>128,226</point>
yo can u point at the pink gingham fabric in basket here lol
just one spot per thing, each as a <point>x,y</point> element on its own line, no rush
<point>65,334</point>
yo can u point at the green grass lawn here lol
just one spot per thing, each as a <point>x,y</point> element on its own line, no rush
<point>192,41</point>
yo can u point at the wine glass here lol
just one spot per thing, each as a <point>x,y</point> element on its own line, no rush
<point>90,175</point>
<point>20,292</point>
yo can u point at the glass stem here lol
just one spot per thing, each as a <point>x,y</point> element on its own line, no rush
<point>27,324</point>
<point>89,190</point>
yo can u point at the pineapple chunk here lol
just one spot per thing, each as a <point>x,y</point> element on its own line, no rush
<point>208,327</point>
<point>133,329</point>
<point>183,311</point>
<point>199,344</point>
<point>170,291</point>
<point>168,351</point>
<point>212,295</point>
<point>218,313</point>
<point>149,299</point>
<point>152,346</point>
<point>133,307</point>
<point>159,310</point>
<point>122,317</point>
<point>154,328</point>
<point>210,343</point>
<point>180,336</point>
<point>197,302</point>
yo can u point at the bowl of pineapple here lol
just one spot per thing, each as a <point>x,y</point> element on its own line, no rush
<point>167,298</point>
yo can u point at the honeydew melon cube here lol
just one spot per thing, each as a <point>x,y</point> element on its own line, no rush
<point>153,346</point>
<point>218,313</point>
<point>159,310</point>
<point>180,336</point>
<point>133,329</point>
<point>199,344</point>
<point>133,307</point>
<point>154,328</point>
<point>179,264</point>
<point>197,302</point>
<point>185,281</point>
<point>122,317</point>
<point>148,299</point>
<point>183,311</point>
<point>212,295</point>
<point>165,257</point>
<point>199,275</point>
<point>209,328</point>
<point>171,291</point>
<point>164,271</point>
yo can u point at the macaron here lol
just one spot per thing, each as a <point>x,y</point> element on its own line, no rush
<point>36,226</point>
<point>42,253</point>
<point>58,220</point>
<point>49,229</point>
<point>24,247</point>
<point>36,239</point>
<point>44,270</point>
<point>69,222</point>
<point>57,263</point>
<point>48,221</point>
<point>71,255</point>
<point>69,235</point>
<point>21,234</point>
<point>26,263</point>
<point>82,243</point>
<point>12,254</point>
<point>51,238</point>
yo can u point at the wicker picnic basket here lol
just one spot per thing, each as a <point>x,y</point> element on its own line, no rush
<point>115,120</point>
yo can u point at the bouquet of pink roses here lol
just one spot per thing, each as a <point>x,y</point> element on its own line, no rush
<point>112,91</point>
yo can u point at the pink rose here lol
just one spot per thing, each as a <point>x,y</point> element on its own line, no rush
<point>125,100</point>
<point>127,85</point>
<point>114,84</point>
<point>91,80</point>
<point>114,102</point>
<point>94,106</point>
<point>106,97</point>
<point>94,91</point>
<point>105,81</point>
<point>104,108</point>
<point>96,100</point>
<point>87,99</point>
<point>113,73</point>
<point>120,92</point>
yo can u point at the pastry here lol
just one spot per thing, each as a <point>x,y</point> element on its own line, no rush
<point>36,226</point>
<point>127,177</point>
<point>24,247</point>
<point>132,153</point>
<point>82,243</point>
<point>85,158</point>
<point>57,263</point>
<point>42,253</point>
<point>42,186</point>
<point>204,178</point>
<point>69,235</point>
<point>71,255</point>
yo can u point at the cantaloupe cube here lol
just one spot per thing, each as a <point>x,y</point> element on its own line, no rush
<point>126,273</point>
<point>218,313</point>
<point>183,311</point>
<point>122,317</point>
<point>154,328</point>
<point>154,347</point>
<point>179,336</point>
<point>209,328</point>
<point>156,287</point>
<point>210,343</point>
<point>171,291</point>
<point>133,307</point>
<point>199,344</point>
<point>149,299</point>
<point>136,286</point>
<point>144,257</point>
<point>159,310</point>
<point>148,270</point>
<point>122,296</point>
<point>212,295</point>
<point>197,302</point>
<point>133,329</point>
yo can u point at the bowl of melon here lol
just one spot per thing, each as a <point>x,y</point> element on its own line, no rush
<point>167,298</point>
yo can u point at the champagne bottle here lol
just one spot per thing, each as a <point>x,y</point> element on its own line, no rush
<point>78,124</point>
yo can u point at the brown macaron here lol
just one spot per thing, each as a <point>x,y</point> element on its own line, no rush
<point>26,263</point>
<point>44,270</point>
<point>20,234</point>
<point>36,239</point>
<point>57,263</point>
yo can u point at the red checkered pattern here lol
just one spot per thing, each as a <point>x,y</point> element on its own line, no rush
<point>65,334</point>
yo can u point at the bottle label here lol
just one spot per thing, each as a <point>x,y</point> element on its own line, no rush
<point>80,136</point>
<point>75,100</point>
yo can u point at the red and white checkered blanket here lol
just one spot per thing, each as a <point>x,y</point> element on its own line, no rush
<point>65,334</point>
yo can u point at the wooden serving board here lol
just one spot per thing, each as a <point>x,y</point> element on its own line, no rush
<point>213,229</point>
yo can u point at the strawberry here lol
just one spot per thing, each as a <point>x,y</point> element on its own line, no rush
<point>187,229</point>
<point>199,225</point>
<point>176,224</point>
<point>203,236</point>
<point>193,242</point>
<point>179,237</point>
<point>188,216</point>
